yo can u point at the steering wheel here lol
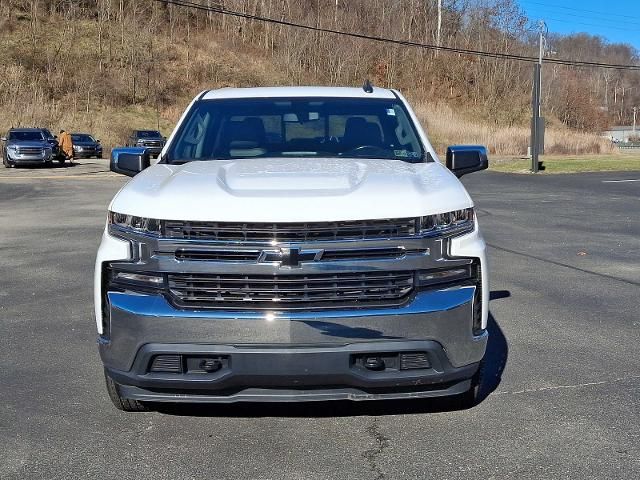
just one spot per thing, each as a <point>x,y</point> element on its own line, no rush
<point>329,139</point>
<point>363,148</point>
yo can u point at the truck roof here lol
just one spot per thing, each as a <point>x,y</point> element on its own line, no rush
<point>270,92</point>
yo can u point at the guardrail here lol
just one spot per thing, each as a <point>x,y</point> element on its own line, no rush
<point>627,146</point>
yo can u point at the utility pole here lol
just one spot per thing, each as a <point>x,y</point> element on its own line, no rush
<point>439,25</point>
<point>635,111</point>
<point>536,124</point>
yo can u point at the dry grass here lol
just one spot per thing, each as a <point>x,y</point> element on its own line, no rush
<point>447,127</point>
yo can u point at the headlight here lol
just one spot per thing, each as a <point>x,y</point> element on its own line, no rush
<point>12,148</point>
<point>79,149</point>
<point>148,226</point>
<point>455,222</point>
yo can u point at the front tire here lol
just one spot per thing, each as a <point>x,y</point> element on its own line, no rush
<point>121,403</point>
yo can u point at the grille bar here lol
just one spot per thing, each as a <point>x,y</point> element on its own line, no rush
<point>289,291</point>
<point>252,256</point>
<point>29,150</point>
<point>291,232</point>
<point>219,255</point>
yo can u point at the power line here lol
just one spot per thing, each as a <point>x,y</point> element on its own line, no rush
<point>599,25</point>
<point>620,24</point>
<point>611,20</point>
<point>580,9</point>
<point>463,51</point>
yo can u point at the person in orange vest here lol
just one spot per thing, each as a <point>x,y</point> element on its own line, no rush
<point>66,145</point>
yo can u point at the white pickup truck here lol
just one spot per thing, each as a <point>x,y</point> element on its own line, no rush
<point>292,244</point>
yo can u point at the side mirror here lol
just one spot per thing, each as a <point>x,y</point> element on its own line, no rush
<point>55,136</point>
<point>463,159</point>
<point>129,161</point>
<point>97,140</point>
<point>4,139</point>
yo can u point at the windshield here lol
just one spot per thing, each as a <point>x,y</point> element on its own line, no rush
<point>148,134</point>
<point>82,137</point>
<point>296,127</point>
<point>25,136</point>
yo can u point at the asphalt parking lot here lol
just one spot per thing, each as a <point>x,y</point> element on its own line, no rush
<point>562,397</point>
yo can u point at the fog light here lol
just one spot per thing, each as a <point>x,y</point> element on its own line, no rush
<point>210,365</point>
<point>374,363</point>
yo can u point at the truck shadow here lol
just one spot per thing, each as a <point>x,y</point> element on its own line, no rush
<point>495,363</point>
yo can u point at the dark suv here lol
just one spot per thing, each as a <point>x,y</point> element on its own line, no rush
<point>152,140</point>
<point>85,146</point>
<point>27,146</point>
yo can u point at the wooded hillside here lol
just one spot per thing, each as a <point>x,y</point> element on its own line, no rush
<point>107,65</point>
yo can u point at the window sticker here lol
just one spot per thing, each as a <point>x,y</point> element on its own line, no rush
<point>406,154</point>
<point>391,112</point>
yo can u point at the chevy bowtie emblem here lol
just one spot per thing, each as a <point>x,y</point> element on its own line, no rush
<point>289,257</point>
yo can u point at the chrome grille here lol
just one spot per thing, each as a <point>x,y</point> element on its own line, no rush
<point>290,291</point>
<point>218,255</point>
<point>291,232</point>
<point>29,150</point>
<point>329,255</point>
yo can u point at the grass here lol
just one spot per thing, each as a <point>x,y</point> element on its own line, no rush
<point>447,126</point>
<point>570,163</point>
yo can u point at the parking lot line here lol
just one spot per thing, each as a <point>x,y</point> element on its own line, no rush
<point>621,181</point>
<point>60,177</point>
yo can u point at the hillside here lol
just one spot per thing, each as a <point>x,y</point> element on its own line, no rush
<point>106,66</point>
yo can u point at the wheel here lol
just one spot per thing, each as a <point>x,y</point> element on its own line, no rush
<point>471,397</point>
<point>121,403</point>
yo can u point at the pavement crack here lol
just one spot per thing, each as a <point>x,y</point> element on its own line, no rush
<point>563,387</point>
<point>372,454</point>
<point>566,265</point>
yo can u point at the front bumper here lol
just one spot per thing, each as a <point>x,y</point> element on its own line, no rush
<point>292,356</point>
<point>87,153</point>
<point>293,374</point>
<point>29,159</point>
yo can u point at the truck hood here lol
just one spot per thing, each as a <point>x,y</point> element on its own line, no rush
<point>291,190</point>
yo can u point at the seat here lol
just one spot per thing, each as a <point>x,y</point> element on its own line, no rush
<point>248,131</point>
<point>358,132</point>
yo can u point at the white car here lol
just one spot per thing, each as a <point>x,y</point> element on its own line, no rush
<point>293,244</point>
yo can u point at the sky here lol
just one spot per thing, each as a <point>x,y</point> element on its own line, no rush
<point>618,21</point>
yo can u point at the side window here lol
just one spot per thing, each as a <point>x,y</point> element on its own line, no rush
<point>305,129</point>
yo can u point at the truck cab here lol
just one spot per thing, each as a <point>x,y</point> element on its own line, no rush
<point>293,244</point>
